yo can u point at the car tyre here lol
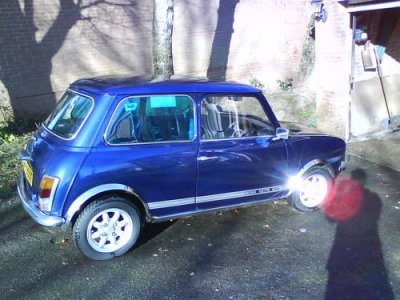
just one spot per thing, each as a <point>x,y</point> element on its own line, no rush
<point>107,228</point>
<point>313,190</point>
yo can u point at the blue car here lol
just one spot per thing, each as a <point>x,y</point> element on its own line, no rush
<point>121,151</point>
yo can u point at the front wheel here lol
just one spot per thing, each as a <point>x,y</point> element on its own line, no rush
<point>107,228</point>
<point>313,190</point>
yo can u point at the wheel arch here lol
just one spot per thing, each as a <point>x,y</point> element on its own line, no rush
<point>313,163</point>
<point>101,191</point>
<point>293,180</point>
<point>312,188</point>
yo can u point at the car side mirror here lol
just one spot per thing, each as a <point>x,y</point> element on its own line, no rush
<point>282,133</point>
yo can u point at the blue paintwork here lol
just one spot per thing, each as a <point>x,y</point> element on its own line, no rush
<point>155,172</point>
<point>160,172</point>
<point>240,164</point>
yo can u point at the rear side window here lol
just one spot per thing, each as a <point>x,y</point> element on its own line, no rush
<point>152,119</point>
<point>69,115</point>
<point>225,117</point>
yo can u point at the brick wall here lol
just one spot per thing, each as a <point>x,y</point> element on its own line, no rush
<point>332,68</point>
<point>46,46</point>
<point>266,41</point>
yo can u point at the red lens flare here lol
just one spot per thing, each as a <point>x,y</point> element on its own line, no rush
<point>345,201</point>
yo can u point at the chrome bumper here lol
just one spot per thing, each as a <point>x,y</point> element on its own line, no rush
<point>36,214</point>
<point>342,165</point>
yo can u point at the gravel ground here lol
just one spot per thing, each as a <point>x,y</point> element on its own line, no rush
<point>264,252</point>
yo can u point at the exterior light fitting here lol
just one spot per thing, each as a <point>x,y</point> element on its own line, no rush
<point>360,36</point>
<point>320,13</point>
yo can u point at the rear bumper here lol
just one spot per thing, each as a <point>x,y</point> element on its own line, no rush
<point>36,214</point>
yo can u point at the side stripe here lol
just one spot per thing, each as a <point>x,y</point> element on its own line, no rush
<point>216,197</point>
<point>171,203</point>
<point>240,194</point>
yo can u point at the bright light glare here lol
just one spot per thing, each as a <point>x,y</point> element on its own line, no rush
<point>294,183</point>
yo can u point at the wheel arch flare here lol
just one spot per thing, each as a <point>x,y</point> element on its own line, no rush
<point>99,191</point>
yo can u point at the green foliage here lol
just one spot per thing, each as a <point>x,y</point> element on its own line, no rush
<point>6,137</point>
<point>11,130</point>
<point>13,135</point>
<point>308,51</point>
<point>305,114</point>
<point>257,83</point>
<point>285,85</point>
<point>296,105</point>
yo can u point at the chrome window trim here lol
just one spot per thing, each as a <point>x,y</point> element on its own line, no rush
<point>235,95</point>
<point>159,142</point>
<point>84,121</point>
<point>239,138</point>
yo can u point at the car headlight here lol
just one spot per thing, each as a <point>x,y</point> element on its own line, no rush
<point>48,186</point>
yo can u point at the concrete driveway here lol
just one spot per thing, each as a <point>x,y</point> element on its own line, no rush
<point>264,252</point>
<point>382,148</point>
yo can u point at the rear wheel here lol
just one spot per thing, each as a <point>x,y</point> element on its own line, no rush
<point>313,190</point>
<point>107,228</point>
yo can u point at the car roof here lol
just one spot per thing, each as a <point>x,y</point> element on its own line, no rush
<point>123,85</point>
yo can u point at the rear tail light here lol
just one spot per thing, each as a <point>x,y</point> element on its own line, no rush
<point>48,186</point>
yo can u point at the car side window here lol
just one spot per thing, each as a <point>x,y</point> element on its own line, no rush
<point>152,119</point>
<point>224,117</point>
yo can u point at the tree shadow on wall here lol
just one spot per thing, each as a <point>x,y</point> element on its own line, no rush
<point>26,62</point>
<point>222,40</point>
<point>356,265</point>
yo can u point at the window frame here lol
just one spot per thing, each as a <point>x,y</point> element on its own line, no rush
<point>93,103</point>
<point>156,142</point>
<point>261,102</point>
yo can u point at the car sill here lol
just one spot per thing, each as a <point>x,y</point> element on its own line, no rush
<point>155,219</point>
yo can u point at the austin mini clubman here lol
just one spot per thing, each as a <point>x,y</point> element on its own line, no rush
<point>119,151</point>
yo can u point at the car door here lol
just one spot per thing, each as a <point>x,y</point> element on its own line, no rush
<point>240,159</point>
<point>151,148</point>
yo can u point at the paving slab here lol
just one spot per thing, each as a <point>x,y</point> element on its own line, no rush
<point>382,148</point>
